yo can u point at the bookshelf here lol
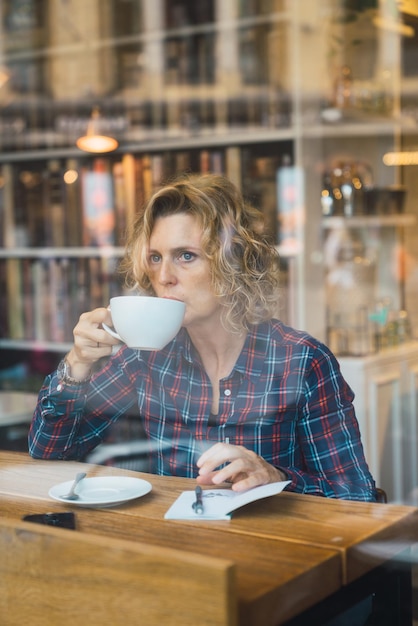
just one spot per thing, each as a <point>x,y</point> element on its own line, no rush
<point>64,223</point>
<point>44,294</point>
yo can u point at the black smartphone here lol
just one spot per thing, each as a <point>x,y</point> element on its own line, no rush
<point>61,520</point>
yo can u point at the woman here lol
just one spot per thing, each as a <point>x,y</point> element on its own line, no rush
<point>237,396</point>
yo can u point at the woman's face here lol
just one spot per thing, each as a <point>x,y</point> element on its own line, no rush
<point>179,270</point>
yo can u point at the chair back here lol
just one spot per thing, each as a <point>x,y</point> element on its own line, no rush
<point>381,495</point>
<point>56,576</point>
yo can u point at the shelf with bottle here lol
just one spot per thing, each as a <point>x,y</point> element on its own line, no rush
<point>363,235</point>
<point>363,114</point>
<point>365,303</point>
<point>349,191</point>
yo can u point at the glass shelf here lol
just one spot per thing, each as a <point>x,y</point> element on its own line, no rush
<point>60,252</point>
<point>368,221</point>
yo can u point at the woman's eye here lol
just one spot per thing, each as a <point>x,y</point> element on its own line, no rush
<point>154,258</point>
<point>187,256</point>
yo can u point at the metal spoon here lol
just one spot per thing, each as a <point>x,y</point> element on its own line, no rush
<point>71,495</point>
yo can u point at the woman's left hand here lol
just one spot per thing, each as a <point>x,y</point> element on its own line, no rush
<point>243,468</point>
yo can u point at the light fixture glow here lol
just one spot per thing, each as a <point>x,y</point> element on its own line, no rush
<point>400,158</point>
<point>393,26</point>
<point>70,177</point>
<point>408,6</point>
<point>93,140</point>
<point>4,75</point>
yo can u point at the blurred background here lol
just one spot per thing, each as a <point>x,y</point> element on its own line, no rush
<point>310,106</point>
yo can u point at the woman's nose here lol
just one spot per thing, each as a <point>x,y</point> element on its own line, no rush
<point>166,275</point>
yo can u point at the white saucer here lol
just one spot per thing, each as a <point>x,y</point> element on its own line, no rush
<point>102,491</point>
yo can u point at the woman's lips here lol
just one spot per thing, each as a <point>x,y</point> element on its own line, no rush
<point>171,298</point>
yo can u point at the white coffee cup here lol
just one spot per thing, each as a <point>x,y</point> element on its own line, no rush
<point>144,322</point>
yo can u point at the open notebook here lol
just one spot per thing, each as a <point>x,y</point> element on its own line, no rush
<point>218,504</point>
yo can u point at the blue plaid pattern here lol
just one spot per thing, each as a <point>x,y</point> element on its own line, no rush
<point>285,399</point>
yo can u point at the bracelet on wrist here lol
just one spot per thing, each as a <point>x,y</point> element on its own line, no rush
<point>64,374</point>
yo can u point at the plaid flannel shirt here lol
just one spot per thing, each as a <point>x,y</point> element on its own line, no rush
<point>285,399</point>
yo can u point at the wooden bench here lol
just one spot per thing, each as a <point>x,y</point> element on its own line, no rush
<point>55,576</point>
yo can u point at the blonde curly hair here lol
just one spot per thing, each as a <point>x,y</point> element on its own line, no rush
<point>244,264</point>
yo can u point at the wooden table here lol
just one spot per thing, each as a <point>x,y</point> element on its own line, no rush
<point>276,558</point>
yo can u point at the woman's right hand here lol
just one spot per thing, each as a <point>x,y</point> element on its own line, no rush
<point>91,342</point>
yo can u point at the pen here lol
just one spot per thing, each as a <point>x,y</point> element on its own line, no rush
<point>198,505</point>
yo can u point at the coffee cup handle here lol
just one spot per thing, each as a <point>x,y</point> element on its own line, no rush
<point>111,332</point>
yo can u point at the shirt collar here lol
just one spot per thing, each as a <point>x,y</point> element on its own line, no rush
<point>251,360</point>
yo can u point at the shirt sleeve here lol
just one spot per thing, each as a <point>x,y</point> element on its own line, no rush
<point>70,420</point>
<point>334,464</point>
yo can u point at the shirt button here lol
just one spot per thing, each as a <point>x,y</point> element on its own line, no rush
<point>227,392</point>
<point>59,387</point>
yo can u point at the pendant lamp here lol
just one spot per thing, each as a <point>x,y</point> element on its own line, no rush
<point>93,140</point>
